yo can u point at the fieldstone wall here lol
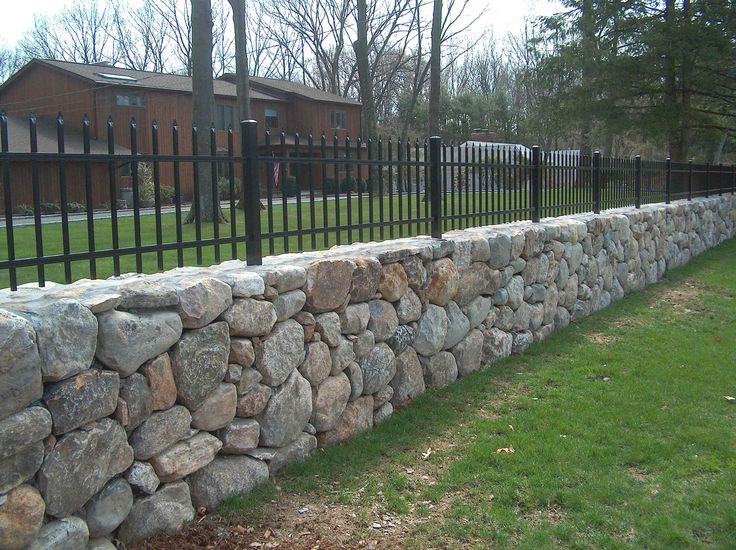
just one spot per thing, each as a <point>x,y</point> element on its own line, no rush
<point>126,405</point>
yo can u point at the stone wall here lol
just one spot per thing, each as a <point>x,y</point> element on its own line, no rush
<point>126,405</point>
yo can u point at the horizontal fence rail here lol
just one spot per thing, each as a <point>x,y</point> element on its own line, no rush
<point>135,200</point>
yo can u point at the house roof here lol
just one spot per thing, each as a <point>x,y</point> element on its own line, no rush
<point>19,138</point>
<point>287,87</point>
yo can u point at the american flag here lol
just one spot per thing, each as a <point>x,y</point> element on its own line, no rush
<point>276,169</point>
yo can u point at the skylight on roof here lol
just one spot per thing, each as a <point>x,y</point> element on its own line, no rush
<point>117,76</point>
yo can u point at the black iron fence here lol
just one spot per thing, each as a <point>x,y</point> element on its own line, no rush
<point>101,207</point>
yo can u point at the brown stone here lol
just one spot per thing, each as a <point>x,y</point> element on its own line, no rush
<point>357,417</point>
<point>254,401</point>
<point>21,517</point>
<point>444,282</point>
<point>242,352</point>
<point>393,283</point>
<point>217,410</point>
<point>366,277</point>
<point>329,401</point>
<point>328,284</point>
<point>161,382</point>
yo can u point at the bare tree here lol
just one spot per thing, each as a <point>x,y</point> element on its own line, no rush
<point>241,59</point>
<point>178,17</point>
<point>139,37</point>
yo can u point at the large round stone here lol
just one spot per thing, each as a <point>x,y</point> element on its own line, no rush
<point>317,363</point>
<point>224,477</point>
<point>65,534</point>
<point>161,430</point>
<point>107,509</point>
<point>280,353</point>
<point>378,367</point>
<point>458,325</point>
<point>393,283</point>
<point>287,412</point>
<point>328,284</point>
<point>202,301</point>
<point>444,282</point>
<point>408,382</point>
<point>217,410</point>
<point>365,279</point>
<point>431,331</point>
<point>328,402</point>
<point>249,317</point>
<point>20,364</point>
<point>21,516</point>
<point>468,353</point>
<point>439,370</point>
<point>161,513</point>
<point>185,457</point>
<point>357,417</point>
<point>383,319</point>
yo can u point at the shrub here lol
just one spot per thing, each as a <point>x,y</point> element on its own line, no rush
<point>329,186</point>
<point>291,187</point>
<point>223,188</point>
<point>23,210</point>
<point>76,207</point>
<point>50,208</point>
<point>147,190</point>
<point>353,184</point>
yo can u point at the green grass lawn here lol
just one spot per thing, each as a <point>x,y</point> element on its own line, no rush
<point>621,434</point>
<point>393,209</point>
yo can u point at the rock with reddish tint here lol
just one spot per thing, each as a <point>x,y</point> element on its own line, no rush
<point>199,363</point>
<point>476,280</point>
<point>85,460</point>
<point>444,282</point>
<point>21,517</point>
<point>249,379</point>
<point>160,382</point>
<point>408,382</point>
<point>127,340</point>
<point>242,352</point>
<point>217,410</point>
<point>409,308</point>
<point>185,457</point>
<point>20,364</point>
<point>224,477</point>
<point>289,304</point>
<point>234,373</point>
<point>378,367</point>
<point>439,370</point>
<point>249,317</point>
<point>328,284</point>
<point>160,431</point>
<point>341,356</point>
<point>308,323</point>
<point>253,402</point>
<point>328,327</point>
<point>164,512</point>
<point>383,319</point>
<point>280,353</point>
<point>240,436</point>
<point>366,276</point>
<point>357,417</point>
<point>286,412</point>
<point>354,319</point>
<point>317,363</point>
<point>278,459</point>
<point>393,283</point>
<point>468,353</point>
<point>431,331</point>
<point>202,301</point>
<point>416,273</point>
<point>135,393</point>
<point>328,402</point>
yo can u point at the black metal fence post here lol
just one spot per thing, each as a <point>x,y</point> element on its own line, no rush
<point>536,184</point>
<point>733,179</point>
<point>707,179</point>
<point>668,181</point>
<point>597,182</point>
<point>637,180</point>
<point>251,192</point>
<point>720,179</point>
<point>435,145</point>
<point>690,180</point>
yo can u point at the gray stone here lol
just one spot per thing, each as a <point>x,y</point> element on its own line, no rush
<point>224,477</point>
<point>287,278</point>
<point>408,308</point>
<point>280,353</point>
<point>127,340</point>
<point>500,250</point>
<point>253,402</point>
<point>185,457</point>
<point>161,513</point>
<point>515,289</point>
<point>457,325</point>
<point>202,301</point>
<point>328,326</point>
<point>142,476</point>
<point>522,340</point>
<point>382,396</point>
<point>401,339</point>
<point>536,317</point>
<point>234,373</point>
<point>562,318</point>
<point>355,376</point>
<point>242,352</point>
<point>393,283</point>
<point>240,436</point>
<point>100,544</point>
<point>147,294</point>
<point>136,394</point>
<point>22,429</point>
<point>328,402</point>
<point>496,346</point>
<point>84,460</point>
<point>408,382</point>
<point>64,534</point>
<point>286,413</point>
<point>379,368</point>
<point>289,304</point>
<point>444,282</point>
<point>308,428</point>
<point>363,344</point>
<point>249,380</point>
<point>550,304</point>
<point>439,370</point>
<point>341,356</point>
<point>522,317</point>
<point>416,273</point>
<point>199,363</point>
<point>431,331</point>
<point>328,284</point>
<point>249,317</point>
<point>218,408</point>
<point>278,459</point>
<point>501,298</point>
<point>383,320</point>
<point>160,431</point>
<point>382,413</point>
<point>21,466</point>
<point>108,508</point>
<point>317,363</point>
<point>477,310</point>
<point>21,517</point>
<point>66,333</point>
<point>442,248</point>
<point>468,353</point>
<point>365,279</point>
<point>356,418</point>
<point>20,364</point>
<point>354,319</point>
<point>81,399</point>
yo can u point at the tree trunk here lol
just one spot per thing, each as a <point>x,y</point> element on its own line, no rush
<point>368,117</point>
<point>435,68</point>
<point>241,60</point>
<point>203,110</point>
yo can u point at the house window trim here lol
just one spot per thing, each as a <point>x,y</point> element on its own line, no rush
<point>334,123</point>
<point>139,102</point>
<point>266,116</point>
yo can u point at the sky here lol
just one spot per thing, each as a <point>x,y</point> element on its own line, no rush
<point>501,16</point>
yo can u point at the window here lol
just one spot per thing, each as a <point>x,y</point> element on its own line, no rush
<point>112,76</point>
<point>338,120</point>
<point>125,170</point>
<point>272,118</point>
<point>130,100</point>
<point>224,116</point>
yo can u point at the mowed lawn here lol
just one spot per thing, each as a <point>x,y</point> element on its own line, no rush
<point>621,438</point>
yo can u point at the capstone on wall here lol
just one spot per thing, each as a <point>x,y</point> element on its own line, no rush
<point>125,405</point>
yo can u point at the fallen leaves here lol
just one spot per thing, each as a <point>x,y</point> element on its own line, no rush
<point>426,454</point>
<point>730,399</point>
<point>505,451</point>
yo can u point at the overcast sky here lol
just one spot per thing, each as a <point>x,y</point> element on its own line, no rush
<point>502,16</point>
